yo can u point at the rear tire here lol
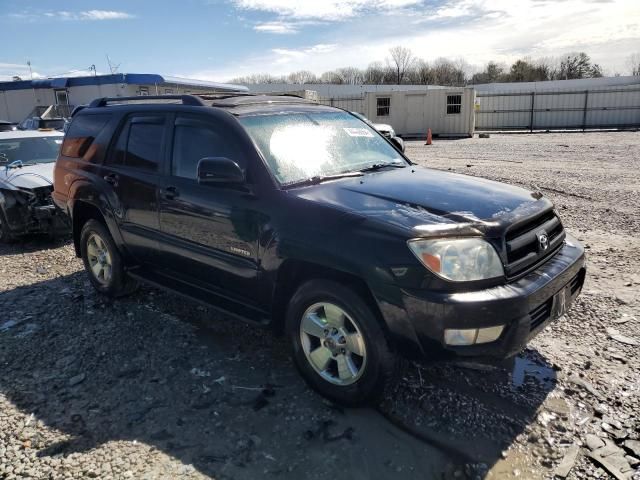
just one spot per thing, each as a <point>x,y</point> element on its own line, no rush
<point>103,262</point>
<point>339,345</point>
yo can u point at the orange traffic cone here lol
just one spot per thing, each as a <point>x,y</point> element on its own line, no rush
<point>428,137</point>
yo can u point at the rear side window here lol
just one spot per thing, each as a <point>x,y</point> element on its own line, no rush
<point>140,142</point>
<point>194,140</point>
<point>144,146</point>
<point>83,131</point>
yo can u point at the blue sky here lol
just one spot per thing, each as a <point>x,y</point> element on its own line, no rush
<point>222,39</point>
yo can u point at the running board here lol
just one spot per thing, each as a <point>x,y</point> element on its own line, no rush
<point>201,295</point>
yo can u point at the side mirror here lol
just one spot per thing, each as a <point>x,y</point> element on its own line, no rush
<point>219,170</point>
<point>398,143</point>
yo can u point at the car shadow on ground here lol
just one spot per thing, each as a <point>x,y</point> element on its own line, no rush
<point>33,243</point>
<point>223,398</point>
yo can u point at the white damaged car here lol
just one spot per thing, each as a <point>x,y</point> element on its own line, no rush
<point>27,159</point>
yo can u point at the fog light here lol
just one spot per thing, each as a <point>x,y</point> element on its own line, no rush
<point>460,337</point>
<point>471,336</point>
<point>490,334</point>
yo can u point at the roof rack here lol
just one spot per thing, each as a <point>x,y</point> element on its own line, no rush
<point>223,95</point>
<point>191,100</point>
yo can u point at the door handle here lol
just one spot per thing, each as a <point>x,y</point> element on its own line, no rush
<point>112,179</point>
<point>170,193</point>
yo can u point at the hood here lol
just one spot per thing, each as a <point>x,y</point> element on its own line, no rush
<point>29,176</point>
<point>426,200</point>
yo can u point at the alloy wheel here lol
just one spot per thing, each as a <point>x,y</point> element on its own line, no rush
<point>99,259</point>
<point>333,343</point>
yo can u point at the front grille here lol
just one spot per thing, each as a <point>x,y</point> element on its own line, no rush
<point>540,314</point>
<point>523,248</point>
<point>42,196</point>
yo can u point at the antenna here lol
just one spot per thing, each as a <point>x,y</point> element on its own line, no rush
<point>113,68</point>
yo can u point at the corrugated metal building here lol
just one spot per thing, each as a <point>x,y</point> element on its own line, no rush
<point>19,98</point>
<point>590,103</point>
<point>606,102</point>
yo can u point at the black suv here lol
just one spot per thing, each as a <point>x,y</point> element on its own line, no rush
<point>300,216</point>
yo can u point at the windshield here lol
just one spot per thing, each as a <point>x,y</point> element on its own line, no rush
<point>300,146</point>
<point>29,150</point>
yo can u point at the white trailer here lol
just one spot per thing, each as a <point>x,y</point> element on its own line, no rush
<point>19,98</point>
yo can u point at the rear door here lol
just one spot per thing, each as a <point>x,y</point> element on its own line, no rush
<point>209,232</point>
<point>132,171</point>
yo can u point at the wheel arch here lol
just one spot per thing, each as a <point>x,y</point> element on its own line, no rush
<point>293,273</point>
<point>83,212</point>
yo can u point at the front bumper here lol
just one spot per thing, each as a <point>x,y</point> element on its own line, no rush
<point>37,219</point>
<point>524,306</point>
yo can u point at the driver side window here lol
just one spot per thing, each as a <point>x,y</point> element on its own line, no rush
<point>194,139</point>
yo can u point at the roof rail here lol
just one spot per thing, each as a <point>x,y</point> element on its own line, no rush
<point>186,100</point>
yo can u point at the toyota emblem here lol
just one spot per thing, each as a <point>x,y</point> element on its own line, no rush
<point>543,241</point>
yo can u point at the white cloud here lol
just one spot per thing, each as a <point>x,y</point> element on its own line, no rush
<point>282,28</point>
<point>90,15</point>
<point>321,9</point>
<point>10,70</point>
<point>103,15</point>
<point>476,30</point>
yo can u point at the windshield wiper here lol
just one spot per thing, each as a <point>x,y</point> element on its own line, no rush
<point>378,166</point>
<point>322,178</point>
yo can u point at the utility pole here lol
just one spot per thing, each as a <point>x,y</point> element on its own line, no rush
<point>30,71</point>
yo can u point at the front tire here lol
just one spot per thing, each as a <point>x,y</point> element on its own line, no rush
<point>103,262</point>
<point>338,343</point>
<point>5,234</point>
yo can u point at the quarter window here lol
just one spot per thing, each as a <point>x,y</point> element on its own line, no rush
<point>454,104</point>
<point>383,105</point>
<point>83,131</point>
<point>194,139</point>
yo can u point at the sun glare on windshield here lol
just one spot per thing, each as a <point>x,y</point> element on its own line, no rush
<point>298,146</point>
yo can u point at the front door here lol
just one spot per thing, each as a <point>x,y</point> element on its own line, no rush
<point>209,232</point>
<point>133,173</point>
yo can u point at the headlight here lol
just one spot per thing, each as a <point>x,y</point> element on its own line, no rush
<point>458,259</point>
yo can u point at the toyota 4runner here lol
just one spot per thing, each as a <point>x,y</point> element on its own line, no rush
<point>300,216</point>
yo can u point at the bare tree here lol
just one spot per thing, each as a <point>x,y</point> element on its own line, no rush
<point>258,78</point>
<point>421,73</point>
<point>402,60</point>
<point>351,75</point>
<point>374,74</point>
<point>331,77</point>
<point>446,72</point>
<point>301,77</point>
<point>634,63</point>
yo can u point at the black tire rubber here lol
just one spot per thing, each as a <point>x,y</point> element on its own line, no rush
<point>120,283</point>
<point>380,372</point>
<point>5,234</point>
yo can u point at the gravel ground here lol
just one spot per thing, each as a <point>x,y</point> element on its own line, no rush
<point>152,386</point>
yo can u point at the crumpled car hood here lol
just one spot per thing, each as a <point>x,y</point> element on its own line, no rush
<point>29,176</point>
<point>418,198</point>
